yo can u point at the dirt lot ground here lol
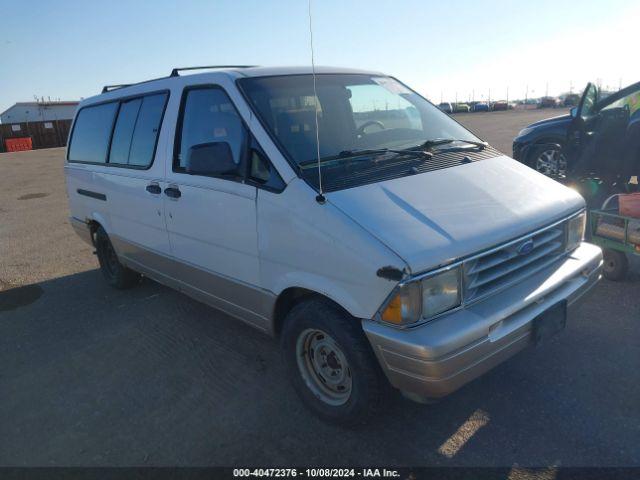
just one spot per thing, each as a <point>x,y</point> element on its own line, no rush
<point>94,376</point>
<point>500,128</point>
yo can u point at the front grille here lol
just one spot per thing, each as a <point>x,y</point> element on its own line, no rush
<point>499,268</point>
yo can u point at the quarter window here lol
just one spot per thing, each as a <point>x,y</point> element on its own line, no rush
<point>261,171</point>
<point>145,135</point>
<point>123,132</point>
<point>91,132</point>
<point>209,119</point>
<point>136,131</point>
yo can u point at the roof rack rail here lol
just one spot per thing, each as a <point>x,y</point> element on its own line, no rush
<point>109,88</point>
<point>175,71</point>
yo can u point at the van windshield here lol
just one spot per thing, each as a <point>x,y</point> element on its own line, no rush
<point>356,112</point>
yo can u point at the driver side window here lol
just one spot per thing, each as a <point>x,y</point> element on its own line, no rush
<point>211,131</point>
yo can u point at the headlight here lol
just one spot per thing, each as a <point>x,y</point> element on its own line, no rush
<point>575,231</point>
<point>440,293</point>
<point>424,299</point>
<point>524,131</point>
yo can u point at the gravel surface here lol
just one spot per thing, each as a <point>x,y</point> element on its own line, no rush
<point>94,376</point>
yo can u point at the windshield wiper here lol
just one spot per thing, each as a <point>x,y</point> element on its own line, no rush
<point>364,153</point>
<point>430,144</point>
<point>423,150</point>
<point>346,154</point>
<point>359,153</point>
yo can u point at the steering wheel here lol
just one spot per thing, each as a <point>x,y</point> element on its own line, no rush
<point>362,128</point>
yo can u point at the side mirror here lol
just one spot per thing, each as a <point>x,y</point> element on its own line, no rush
<point>214,159</point>
<point>573,112</point>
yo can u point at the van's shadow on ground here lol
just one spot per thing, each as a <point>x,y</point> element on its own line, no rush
<point>92,375</point>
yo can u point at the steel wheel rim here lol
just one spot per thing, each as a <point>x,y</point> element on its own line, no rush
<point>324,367</point>
<point>552,163</point>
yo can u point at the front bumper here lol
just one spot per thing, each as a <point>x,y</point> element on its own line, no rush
<point>437,358</point>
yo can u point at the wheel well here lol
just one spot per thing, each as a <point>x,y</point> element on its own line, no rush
<point>541,141</point>
<point>288,299</point>
<point>93,228</point>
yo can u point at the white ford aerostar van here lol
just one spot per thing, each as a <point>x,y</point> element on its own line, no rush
<point>424,258</point>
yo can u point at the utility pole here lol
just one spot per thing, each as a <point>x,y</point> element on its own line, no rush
<point>546,92</point>
<point>526,95</point>
<point>507,98</point>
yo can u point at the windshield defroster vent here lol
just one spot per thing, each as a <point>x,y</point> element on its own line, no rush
<point>379,168</point>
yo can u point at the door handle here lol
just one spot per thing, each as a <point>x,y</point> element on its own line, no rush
<point>154,188</point>
<point>172,192</point>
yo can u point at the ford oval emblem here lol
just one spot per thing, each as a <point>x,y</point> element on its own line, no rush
<point>525,248</point>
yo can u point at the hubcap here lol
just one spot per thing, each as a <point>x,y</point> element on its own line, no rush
<point>324,367</point>
<point>552,163</point>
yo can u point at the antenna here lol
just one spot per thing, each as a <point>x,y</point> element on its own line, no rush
<point>320,197</point>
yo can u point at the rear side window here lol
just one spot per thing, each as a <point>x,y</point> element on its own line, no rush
<point>136,131</point>
<point>91,132</point>
<point>123,131</point>
<point>145,135</point>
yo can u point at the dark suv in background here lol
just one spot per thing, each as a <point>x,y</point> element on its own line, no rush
<point>540,144</point>
<point>598,139</point>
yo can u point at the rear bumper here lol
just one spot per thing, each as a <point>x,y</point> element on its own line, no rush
<point>82,229</point>
<point>439,357</point>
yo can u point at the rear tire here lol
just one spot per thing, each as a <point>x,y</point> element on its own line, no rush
<point>116,274</point>
<point>616,265</point>
<point>331,365</point>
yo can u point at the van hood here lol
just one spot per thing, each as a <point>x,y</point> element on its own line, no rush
<point>434,218</point>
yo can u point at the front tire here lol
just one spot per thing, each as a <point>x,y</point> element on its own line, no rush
<point>549,161</point>
<point>116,274</point>
<point>331,365</point>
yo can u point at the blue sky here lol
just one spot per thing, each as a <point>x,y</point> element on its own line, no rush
<point>68,49</point>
